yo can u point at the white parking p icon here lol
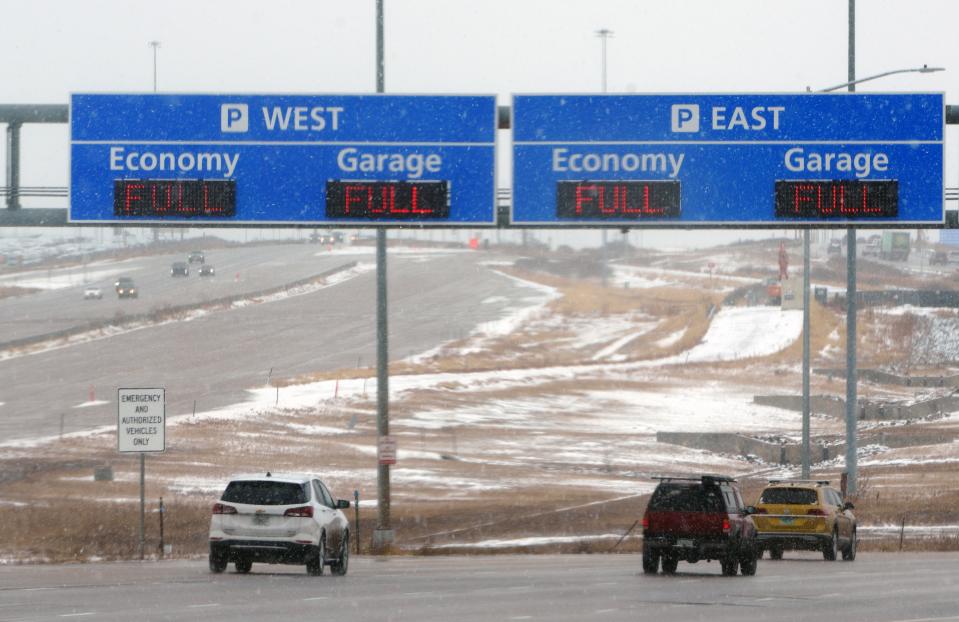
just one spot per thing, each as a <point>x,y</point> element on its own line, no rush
<point>685,117</point>
<point>234,118</point>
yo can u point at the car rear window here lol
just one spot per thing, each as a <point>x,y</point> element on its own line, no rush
<point>687,498</point>
<point>789,496</point>
<point>266,493</point>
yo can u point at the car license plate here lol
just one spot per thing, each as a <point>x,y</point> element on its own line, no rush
<point>787,521</point>
<point>260,519</point>
<point>685,543</point>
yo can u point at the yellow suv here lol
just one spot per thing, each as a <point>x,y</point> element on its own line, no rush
<point>805,515</point>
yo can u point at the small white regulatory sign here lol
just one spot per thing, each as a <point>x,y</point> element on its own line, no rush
<point>141,420</point>
<point>386,450</point>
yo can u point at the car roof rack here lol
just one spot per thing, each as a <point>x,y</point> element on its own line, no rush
<point>702,478</point>
<point>823,482</point>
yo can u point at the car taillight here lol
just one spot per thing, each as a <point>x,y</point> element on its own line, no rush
<point>816,512</point>
<point>645,522</point>
<point>305,511</point>
<point>725,525</point>
<point>219,508</point>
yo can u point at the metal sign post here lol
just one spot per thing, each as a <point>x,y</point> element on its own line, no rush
<point>141,428</point>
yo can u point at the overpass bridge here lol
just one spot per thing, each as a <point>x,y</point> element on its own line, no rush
<point>14,116</point>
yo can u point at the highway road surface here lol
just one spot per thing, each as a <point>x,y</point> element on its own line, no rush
<point>217,358</point>
<point>878,587</point>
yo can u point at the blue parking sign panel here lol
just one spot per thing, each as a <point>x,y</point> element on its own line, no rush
<point>743,160</point>
<point>351,160</point>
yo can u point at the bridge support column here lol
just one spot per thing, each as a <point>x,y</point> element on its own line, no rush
<point>13,165</point>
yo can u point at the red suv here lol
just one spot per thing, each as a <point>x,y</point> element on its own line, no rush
<point>694,518</point>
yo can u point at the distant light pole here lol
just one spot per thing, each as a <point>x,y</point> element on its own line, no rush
<point>154,45</point>
<point>604,34</point>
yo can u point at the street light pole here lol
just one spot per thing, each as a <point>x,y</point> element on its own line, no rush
<point>851,307</point>
<point>154,45</point>
<point>604,34</point>
<point>383,535</point>
<point>851,372</point>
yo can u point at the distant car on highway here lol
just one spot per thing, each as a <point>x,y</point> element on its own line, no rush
<point>207,270</point>
<point>180,268</point>
<point>835,247</point>
<point>196,257</point>
<point>805,515</point>
<point>279,519</point>
<point>126,288</point>
<point>699,518</point>
<point>328,237</point>
<point>92,293</point>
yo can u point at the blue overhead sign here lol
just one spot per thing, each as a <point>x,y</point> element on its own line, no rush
<point>719,160</point>
<point>384,160</point>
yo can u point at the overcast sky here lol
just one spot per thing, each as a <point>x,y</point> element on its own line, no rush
<point>51,48</point>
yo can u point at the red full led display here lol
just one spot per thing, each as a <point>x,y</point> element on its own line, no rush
<point>617,200</point>
<point>841,199</point>
<point>174,198</point>
<point>387,200</point>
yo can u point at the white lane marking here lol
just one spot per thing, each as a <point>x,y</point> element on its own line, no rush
<point>605,610</point>
<point>206,605</point>
<point>77,615</point>
<point>929,619</point>
<point>317,598</point>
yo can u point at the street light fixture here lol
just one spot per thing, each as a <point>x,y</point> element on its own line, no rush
<point>923,69</point>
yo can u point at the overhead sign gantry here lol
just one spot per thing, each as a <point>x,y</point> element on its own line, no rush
<point>744,160</point>
<point>333,160</point>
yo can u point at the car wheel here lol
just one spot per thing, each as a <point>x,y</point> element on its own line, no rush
<point>775,552</point>
<point>314,565</point>
<point>217,562</point>
<point>669,564</point>
<point>849,553</point>
<point>747,565</point>
<point>729,566</point>
<point>243,565</point>
<point>650,561</point>
<point>340,566</point>
<point>831,548</point>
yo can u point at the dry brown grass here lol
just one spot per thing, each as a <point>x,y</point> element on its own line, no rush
<point>68,517</point>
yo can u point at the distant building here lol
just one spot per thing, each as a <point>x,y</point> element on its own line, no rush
<point>949,236</point>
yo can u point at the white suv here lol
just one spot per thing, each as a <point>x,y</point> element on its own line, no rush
<point>279,519</point>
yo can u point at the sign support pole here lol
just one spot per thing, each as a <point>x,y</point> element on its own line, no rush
<point>141,428</point>
<point>383,535</point>
<point>805,354</point>
<point>142,504</point>
<point>851,372</point>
